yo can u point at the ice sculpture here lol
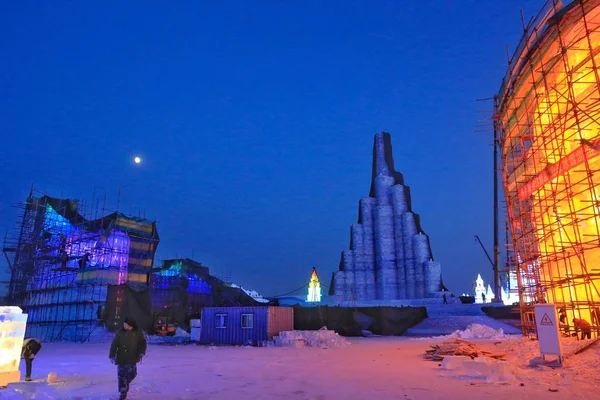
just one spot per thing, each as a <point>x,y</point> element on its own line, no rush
<point>389,256</point>
<point>12,332</point>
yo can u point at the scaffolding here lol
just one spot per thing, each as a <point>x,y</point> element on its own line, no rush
<point>62,260</point>
<point>510,285</point>
<point>548,111</point>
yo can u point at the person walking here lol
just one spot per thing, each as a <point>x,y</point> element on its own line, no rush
<point>31,346</point>
<point>127,349</point>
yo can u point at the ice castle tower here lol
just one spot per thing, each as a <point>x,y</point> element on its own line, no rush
<point>389,256</point>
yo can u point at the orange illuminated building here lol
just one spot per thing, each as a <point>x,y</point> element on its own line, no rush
<point>548,119</point>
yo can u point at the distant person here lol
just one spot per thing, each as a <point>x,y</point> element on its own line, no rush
<point>445,298</point>
<point>100,315</point>
<point>127,349</point>
<point>31,347</point>
<point>83,261</point>
<point>483,297</point>
<point>62,252</point>
<point>581,325</point>
<point>562,315</point>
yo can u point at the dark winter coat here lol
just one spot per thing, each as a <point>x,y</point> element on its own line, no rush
<point>30,348</point>
<point>128,347</point>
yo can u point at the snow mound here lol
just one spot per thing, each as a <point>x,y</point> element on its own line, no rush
<point>478,331</point>
<point>181,333</point>
<point>322,338</point>
<point>180,336</point>
<point>28,390</point>
<point>252,293</point>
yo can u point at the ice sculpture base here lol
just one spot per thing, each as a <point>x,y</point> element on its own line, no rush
<point>9,377</point>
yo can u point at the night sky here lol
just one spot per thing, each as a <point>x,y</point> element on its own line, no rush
<point>255,121</point>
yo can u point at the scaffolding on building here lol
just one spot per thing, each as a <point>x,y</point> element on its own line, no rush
<point>548,111</point>
<point>509,272</point>
<point>62,258</point>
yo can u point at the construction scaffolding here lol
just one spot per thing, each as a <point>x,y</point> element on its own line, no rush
<point>510,286</point>
<point>62,262</point>
<point>548,113</point>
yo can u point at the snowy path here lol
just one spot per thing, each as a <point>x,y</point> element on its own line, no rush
<point>436,326</point>
<point>445,319</point>
<point>377,368</point>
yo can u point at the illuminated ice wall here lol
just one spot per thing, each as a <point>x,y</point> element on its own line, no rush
<point>74,261</point>
<point>106,248</point>
<point>109,249</point>
<point>178,274</point>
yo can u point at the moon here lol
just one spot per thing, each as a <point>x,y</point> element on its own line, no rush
<point>137,160</point>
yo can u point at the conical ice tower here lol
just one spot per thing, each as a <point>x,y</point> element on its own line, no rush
<point>389,256</point>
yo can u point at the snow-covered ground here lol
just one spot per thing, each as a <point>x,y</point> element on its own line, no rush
<point>369,368</point>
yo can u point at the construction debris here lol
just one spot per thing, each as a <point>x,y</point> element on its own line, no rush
<point>587,346</point>
<point>458,347</point>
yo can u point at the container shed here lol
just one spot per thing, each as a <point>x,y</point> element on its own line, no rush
<point>244,325</point>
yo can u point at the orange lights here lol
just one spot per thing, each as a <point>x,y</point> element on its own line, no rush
<point>549,115</point>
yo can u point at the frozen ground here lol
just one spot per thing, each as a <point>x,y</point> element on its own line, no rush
<point>370,368</point>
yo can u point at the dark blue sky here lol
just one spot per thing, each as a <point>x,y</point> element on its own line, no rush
<point>255,121</point>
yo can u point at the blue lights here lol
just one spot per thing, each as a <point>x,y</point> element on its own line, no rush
<point>180,275</point>
<point>68,243</point>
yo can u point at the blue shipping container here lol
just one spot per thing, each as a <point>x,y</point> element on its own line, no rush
<point>244,325</point>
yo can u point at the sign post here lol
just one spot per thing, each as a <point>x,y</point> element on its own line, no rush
<point>547,330</point>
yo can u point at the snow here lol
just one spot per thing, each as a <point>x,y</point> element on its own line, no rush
<point>479,331</point>
<point>578,368</point>
<point>252,293</point>
<point>482,368</point>
<point>322,338</point>
<point>524,366</point>
<point>370,368</point>
<point>476,331</point>
<point>447,319</point>
<point>179,337</point>
<point>181,333</point>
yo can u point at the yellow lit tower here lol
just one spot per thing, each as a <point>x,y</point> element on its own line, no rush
<point>548,119</point>
<point>314,288</point>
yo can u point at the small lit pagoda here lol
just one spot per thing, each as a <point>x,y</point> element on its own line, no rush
<point>314,288</point>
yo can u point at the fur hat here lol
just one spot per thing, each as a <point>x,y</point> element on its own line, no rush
<point>131,322</point>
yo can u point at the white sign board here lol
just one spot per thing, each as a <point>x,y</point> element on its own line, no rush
<point>547,330</point>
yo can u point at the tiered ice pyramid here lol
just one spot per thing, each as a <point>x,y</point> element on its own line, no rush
<point>390,256</point>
